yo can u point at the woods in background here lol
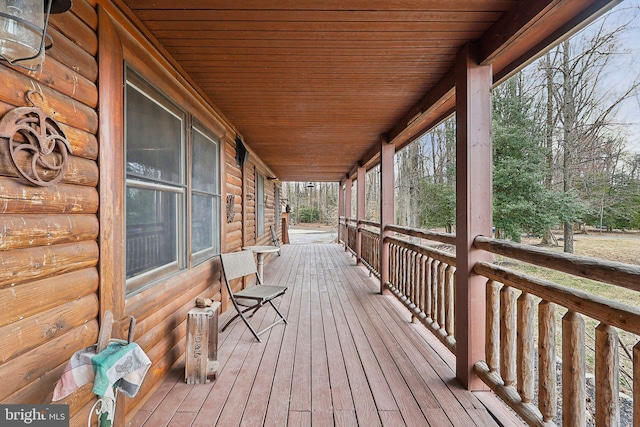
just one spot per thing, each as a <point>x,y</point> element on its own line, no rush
<point>561,141</point>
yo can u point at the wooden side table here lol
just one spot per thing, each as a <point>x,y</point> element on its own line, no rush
<point>201,356</point>
<point>260,252</point>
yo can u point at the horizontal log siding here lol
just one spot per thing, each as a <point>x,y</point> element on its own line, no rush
<point>48,235</point>
<point>49,252</point>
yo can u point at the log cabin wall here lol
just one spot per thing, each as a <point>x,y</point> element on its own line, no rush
<point>49,251</point>
<point>268,199</point>
<point>62,248</point>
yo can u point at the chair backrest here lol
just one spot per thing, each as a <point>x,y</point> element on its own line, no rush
<point>238,264</point>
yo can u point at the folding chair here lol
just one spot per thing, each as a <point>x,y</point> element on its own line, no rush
<point>240,264</point>
<point>274,239</point>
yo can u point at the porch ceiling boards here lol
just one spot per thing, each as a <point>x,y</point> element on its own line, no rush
<point>311,85</point>
<point>349,356</point>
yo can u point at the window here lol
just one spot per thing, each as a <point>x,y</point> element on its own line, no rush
<point>157,190</point>
<point>259,204</point>
<point>205,196</point>
<point>155,184</point>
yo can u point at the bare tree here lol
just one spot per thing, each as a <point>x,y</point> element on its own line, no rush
<point>586,106</point>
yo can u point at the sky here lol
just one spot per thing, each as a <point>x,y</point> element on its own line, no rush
<point>625,67</point>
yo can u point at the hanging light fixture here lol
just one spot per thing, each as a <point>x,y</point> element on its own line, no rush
<point>310,185</point>
<point>23,30</point>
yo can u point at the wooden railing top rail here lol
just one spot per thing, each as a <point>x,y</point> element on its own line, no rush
<point>447,238</point>
<point>369,232</point>
<point>612,313</point>
<point>369,223</point>
<point>611,272</point>
<point>424,250</point>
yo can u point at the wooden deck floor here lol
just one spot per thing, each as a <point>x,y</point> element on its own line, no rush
<point>348,357</point>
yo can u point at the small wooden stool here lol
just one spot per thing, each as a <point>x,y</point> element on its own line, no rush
<point>201,357</point>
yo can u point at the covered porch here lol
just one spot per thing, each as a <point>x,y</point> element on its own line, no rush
<point>349,356</point>
<point>276,91</point>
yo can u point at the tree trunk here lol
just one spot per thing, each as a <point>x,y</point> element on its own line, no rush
<point>568,113</point>
<point>549,126</point>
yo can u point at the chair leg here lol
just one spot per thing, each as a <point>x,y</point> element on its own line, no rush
<point>278,311</point>
<point>253,310</point>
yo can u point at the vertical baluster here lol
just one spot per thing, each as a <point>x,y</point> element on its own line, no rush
<point>419,290</point>
<point>449,298</point>
<point>492,342</point>
<point>404,269</point>
<point>396,261</point>
<point>400,270</point>
<point>434,291</point>
<point>547,396</point>
<point>393,274</point>
<point>508,335</point>
<point>573,370</point>
<point>441,278</point>
<point>636,384</point>
<point>414,288</point>
<point>423,282</point>
<point>392,262</point>
<point>526,349</point>
<point>607,374</point>
<point>411,283</point>
<point>428,287</point>
<point>416,282</point>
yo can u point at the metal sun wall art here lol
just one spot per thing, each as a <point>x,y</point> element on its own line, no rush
<point>35,136</point>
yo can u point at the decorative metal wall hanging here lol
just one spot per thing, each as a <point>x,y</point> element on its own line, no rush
<point>231,213</point>
<point>40,137</point>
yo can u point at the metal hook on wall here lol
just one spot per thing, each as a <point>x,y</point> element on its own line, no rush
<point>29,93</point>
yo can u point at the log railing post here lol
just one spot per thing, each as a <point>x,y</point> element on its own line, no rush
<point>473,208</point>
<point>449,303</point>
<point>636,383</point>
<point>547,396</point>
<point>607,377</point>
<point>387,204</point>
<point>573,370</point>
<point>492,344</point>
<point>434,291</point>
<point>360,211</point>
<point>508,335</point>
<point>526,349</point>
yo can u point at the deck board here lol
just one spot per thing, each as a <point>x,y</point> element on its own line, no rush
<point>349,356</point>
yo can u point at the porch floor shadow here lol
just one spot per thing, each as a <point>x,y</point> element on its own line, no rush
<point>348,357</point>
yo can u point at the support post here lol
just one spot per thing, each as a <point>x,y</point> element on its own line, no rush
<point>360,210</point>
<point>348,183</point>
<point>341,212</point>
<point>387,205</point>
<point>473,208</point>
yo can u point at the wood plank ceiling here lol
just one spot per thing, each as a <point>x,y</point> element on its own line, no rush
<point>312,84</point>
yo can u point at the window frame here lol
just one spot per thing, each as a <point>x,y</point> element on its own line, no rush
<point>207,253</point>
<point>145,280</point>
<point>185,191</point>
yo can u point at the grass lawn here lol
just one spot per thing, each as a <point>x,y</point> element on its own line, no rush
<point>621,247</point>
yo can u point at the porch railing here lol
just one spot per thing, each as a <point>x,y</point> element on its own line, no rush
<point>348,233</point>
<point>510,368</point>
<point>520,353</point>
<point>370,246</point>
